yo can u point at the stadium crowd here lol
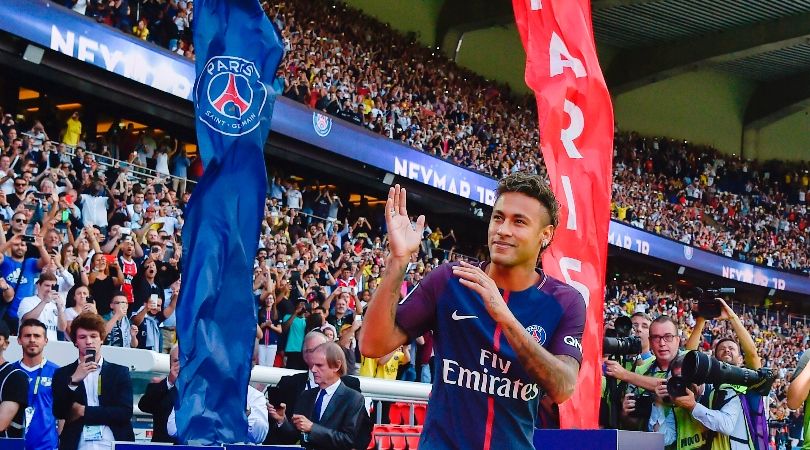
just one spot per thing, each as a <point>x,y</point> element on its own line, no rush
<point>356,68</point>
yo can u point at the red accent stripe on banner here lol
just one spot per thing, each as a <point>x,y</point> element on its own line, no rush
<point>576,128</point>
<point>496,346</point>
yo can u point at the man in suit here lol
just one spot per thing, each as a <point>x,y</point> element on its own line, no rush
<point>159,399</point>
<point>331,416</point>
<point>290,387</point>
<point>92,396</point>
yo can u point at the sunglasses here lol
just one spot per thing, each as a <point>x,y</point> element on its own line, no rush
<point>20,220</point>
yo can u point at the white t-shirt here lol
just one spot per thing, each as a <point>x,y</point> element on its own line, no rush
<point>294,197</point>
<point>94,210</point>
<point>169,223</point>
<point>49,315</point>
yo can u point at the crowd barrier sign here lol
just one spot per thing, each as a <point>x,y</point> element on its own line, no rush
<point>597,440</point>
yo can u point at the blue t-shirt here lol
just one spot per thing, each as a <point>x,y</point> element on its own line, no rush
<point>41,432</point>
<point>10,270</point>
<point>482,397</point>
<point>295,337</point>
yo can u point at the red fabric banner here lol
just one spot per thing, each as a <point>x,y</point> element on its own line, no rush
<point>576,130</point>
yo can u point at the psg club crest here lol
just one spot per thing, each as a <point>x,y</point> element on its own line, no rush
<point>688,252</point>
<point>321,123</point>
<point>538,333</point>
<point>230,95</point>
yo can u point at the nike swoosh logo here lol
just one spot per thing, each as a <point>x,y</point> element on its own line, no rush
<point>455,316</point>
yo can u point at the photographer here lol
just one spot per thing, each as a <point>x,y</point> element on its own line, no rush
<point>628,344</point>
<point>647,383</point>
<point>728,351</point>
<point>701,420</point>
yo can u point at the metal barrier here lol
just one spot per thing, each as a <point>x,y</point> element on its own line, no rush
<point>148,364</point>
<point>140,172</point>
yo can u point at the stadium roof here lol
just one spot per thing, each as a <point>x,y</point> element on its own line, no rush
<point>766,41</point>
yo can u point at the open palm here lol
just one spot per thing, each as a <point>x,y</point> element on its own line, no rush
<point>403,238</point>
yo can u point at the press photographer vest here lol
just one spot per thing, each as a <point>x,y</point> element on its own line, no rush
<point>689,433</point>
<point>718,398</point>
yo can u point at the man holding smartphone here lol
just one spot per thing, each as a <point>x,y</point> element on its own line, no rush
<point>92,396</point>
<point>46,306</point>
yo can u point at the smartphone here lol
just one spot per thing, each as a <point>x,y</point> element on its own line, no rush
<point>28,238</point>
<point>90,355</point>
<point>125,231</point>
<point>30,207</point>
<point>65,216</point>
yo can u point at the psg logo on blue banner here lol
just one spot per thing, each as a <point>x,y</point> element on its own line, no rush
<point>229,95</point>
<point>321,123</point>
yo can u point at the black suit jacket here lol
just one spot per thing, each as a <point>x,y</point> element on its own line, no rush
<point>158,400</point>
<point>345,423</point>
<point>115,410</point>
<point>287,391</point>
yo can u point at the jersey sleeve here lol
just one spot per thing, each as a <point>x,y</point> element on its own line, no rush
<point>16,389</point>
<point>567,338</point>
<point>416,313</point>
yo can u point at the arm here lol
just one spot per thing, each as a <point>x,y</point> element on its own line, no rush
<point>151,399</point>
<point>137,319</point>
<point>799,388</point>
<point>35,311</point>
<point>15,398</point>
<point>115,412</point>
<point>44,256</point>
<point>749,348</point>
<point>7,412</point>
<point>721,421</point>
<point>694,338</point>
<point>379,340</point>
<point>168,310</point>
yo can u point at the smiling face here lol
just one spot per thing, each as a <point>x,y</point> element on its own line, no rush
<point>517,228</point>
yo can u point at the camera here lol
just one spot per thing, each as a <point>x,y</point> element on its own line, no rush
<point>699,368</point>
<point>644,403</point>
<point>629,345</point>
<point>708,305</point>
<point>676,387</point>
<point>618,341</point>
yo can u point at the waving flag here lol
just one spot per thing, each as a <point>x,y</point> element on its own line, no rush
<point>576,129</point>
<point>238,51</point>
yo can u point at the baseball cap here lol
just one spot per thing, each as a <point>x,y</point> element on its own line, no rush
<point>345,327</point>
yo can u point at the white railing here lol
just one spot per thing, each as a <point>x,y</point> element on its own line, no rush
<point>147,361</point>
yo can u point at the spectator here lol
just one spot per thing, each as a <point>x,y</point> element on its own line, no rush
<point>45,306</point>
<point>73,130</point>
<point>120,331</point>
<point>19,274</point>
<point>13,392</point>
<point>149,317</point>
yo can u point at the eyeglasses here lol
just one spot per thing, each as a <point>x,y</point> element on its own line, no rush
<point>20,184</point>
<point>668,338</point>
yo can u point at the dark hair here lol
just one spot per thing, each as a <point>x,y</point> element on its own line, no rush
<point>665,319</point>
<point>4,331</point>
<point>45,276</point>
<point>34,323</point>
<point>725,339</point>
<point>335,358</point>
<point>535,187</point>
<point>88,321</point>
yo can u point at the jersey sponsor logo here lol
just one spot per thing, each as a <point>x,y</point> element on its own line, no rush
<point>230,95</point>
<point>573,342</point>
<point>487,382</point>
<point>538,333</point>
<point>456,316</point>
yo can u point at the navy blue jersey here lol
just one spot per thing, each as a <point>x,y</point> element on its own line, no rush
<point>41,427</point>
<point>482,397</point>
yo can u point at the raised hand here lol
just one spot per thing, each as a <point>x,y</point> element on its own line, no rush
<point>403,239</point>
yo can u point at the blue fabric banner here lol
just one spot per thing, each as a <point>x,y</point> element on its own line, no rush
<point>238,53</point>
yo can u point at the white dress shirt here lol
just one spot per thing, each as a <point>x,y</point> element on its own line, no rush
<point>330,392</point>
<point>92,383</point>
<point>258,420</point>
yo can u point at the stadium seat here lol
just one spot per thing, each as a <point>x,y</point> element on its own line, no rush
<point>378,441</point>
<point>413,441</point>
<point>419,412</point>
<point>398,413</point>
